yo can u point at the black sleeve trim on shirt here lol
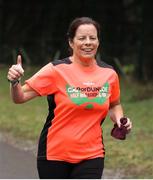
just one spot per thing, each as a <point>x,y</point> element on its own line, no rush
<point>103,64</point>
<point>61,61</point>
<point>68,61</point>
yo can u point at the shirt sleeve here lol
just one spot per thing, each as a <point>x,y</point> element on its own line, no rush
<point>115,89</point>
<point>43,82</point>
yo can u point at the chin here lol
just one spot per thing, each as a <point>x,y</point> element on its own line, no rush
<point>88,57</point>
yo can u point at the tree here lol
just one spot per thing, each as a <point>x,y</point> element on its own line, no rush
<point>38,29</point>
<point>147,40</point>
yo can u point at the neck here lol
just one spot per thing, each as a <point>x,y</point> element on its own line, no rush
<point>84,62</point>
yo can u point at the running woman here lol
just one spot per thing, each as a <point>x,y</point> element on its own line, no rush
<point>81,91</point>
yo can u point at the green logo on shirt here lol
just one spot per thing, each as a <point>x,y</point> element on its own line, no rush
<point>81,95</point>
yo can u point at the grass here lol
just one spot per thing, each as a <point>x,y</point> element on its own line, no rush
<point>26,120</point>
<point>133,156</point>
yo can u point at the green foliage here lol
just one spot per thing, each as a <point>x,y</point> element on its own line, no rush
<point>133,156</point>
<point>128,69</point>
<point>40,34</point>
<point>26,120</point>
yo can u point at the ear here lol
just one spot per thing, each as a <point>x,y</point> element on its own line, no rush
<point>71,44</point>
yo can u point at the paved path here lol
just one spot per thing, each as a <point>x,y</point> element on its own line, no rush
<point>16,163</point>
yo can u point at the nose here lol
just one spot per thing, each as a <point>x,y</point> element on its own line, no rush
<point>87,41</point>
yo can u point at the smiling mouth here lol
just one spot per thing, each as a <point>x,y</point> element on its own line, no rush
<point>87,50</point>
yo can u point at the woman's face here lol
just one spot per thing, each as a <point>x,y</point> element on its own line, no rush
<point>85,42</point>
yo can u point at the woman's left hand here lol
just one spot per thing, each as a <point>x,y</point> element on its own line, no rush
<point>128,125</point>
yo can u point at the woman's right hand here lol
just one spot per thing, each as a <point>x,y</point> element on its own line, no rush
<point>16,71</point>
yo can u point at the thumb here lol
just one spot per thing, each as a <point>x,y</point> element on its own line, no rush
<point>19,60</point>
<point>19,65</point>
<point>118,123</point>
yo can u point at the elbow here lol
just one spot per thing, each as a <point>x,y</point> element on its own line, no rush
<point>116,103</point>
<point>18,101</point>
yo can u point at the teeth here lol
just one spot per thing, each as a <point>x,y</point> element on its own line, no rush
<point>87,50</point>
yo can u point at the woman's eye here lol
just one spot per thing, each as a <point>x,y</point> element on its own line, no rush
<point>93,38</point>
<point>81,38</point>
<point>84,38</point>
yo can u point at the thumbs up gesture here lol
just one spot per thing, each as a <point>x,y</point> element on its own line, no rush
<point>16,71</point>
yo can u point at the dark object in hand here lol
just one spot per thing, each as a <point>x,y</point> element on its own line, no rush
<point>120,133</point>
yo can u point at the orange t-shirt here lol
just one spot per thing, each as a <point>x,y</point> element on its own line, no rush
<point>79,99</point>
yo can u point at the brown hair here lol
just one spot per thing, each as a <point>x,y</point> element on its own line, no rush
<point>79,21</point>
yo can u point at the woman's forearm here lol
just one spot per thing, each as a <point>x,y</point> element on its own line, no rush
<point>17,93</point>
<point>21,94</point>
<point>116,112</point>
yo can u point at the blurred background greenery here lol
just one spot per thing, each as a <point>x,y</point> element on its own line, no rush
<point>37,30</point>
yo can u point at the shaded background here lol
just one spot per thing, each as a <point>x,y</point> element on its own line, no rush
<point>37,29</point>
